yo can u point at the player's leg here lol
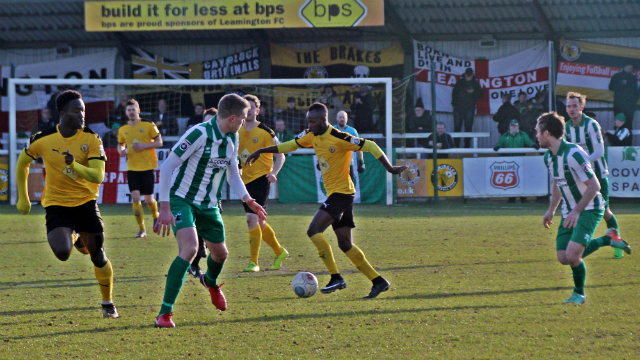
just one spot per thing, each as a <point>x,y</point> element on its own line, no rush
<point>211,228</point>
<point>609,217</point>
<point>133,178</point>
<point>61,242</point>
<point>146,189</point>
<point>255,240</point>
<point>580,239</point>
<point>194,268</point>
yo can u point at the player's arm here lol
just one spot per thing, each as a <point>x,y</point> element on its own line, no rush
<point>22,174</point>
<point>556,197</point>
<point>596,142</point>
<point>165,217</point>
<point>581,167</point>
<point>277,165</point>
<point>360,156</point>
<point>155,144</point>
<point>375,150</point>
<point>285,147</point>
<point>94,173</point>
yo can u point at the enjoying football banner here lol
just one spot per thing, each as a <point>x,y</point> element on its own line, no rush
<point>526,71</point>
<point>587,67</point>
<point>334,61</point>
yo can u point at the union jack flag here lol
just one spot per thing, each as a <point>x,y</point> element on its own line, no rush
<point>145,64</point>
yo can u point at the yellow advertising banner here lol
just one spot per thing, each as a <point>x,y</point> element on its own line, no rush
<point>413,181</point>
<point>448,177</point>
<point>4,179</point>
<point>165,15</point>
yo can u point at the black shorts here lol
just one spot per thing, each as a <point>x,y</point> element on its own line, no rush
<point>258,189</point>
<point>82,218</point>
<point>141,181</point>
<point>340,207</point>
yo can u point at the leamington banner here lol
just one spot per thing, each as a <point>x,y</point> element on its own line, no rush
<point>162,15</point>
<point>505,176</point>
<point>624,171</point>
<point>334,61</point>
<point>304,183</point>
<point>526,71</point>
<point>588,67</point>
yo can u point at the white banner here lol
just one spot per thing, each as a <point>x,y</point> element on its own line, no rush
<point>94,66</point>
<point>526,71</point>
<point>624,171</point>
<point>505,176</point>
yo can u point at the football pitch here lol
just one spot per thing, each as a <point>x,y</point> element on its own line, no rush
<point>477,280</point>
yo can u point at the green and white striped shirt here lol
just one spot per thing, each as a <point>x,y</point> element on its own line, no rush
<point>589,136</point>
<point>207,154</point>
<point>571,168</point>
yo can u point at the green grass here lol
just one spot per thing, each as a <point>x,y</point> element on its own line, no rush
<point>468,281</point>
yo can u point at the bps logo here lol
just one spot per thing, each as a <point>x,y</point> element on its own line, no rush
<point>504,175</point>
<point>334,13</point>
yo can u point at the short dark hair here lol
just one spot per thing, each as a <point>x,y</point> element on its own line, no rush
<point>440,123</point>
<point>291,99</point>
<point>254,99</point>
<point>232,104</point>
<point>133,102</point>
<point>468,71</point>
<point>199,104</point>
<point>211,111</point>
<point>318,107</point>
<point>553,123</point>
<point>576,95</point>
<point>522,93</point>
<point>66,97</point>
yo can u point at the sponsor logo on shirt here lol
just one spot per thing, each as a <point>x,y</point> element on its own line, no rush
<point>218,163</point>
<point>586,167</point>
<point>255,140</point>
<point>84,148</point>
<point>355,141</point>
<point>185,145</point>
<point>332,149</point>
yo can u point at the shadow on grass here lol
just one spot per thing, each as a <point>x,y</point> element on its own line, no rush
<point>19,242</point>
<point>57,283</point>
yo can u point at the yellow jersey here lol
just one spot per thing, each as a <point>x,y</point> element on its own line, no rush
<point>63,187</point>
<point>143,133</point>
<point>333,149</point>
<point>259,137</point>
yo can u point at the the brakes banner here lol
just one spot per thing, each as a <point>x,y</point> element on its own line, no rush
<point>624,171</point>
<point>526,71</point>
<point>163,15</point>
<point>588,67</point>
<point>505,176</point>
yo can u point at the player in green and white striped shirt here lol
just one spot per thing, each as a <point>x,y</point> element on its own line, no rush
<point>190,186</point>
<point>585,132</point>
<point>575,184</point>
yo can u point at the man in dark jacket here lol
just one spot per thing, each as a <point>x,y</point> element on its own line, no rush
<point>625,93</point>
<point>465,94</point>
<point>363,106</point>
<point>293,117</point>
<point>505,114</point>
<point>443,141</point>
<point>419,121</point>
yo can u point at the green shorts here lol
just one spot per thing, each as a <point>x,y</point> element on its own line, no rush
<point>207,221</point>
<point>604,190</point>
<point>582,233</point>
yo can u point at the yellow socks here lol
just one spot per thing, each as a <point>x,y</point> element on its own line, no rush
<point>269,236</point>
<point>153,207</point>
<point>325,252</point>
<point>104,275</point>
<point>255,237</point>
<point>357,258</point>
<point>139,214</point>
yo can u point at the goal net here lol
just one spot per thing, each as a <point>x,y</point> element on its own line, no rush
<point>375,107</point>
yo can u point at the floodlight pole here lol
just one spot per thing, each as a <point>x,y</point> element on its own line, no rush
<point>434,134</point>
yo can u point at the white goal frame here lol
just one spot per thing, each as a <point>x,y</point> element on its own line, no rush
<point>13,153</point>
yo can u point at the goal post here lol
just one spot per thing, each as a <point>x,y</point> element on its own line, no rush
<point>385,83</point>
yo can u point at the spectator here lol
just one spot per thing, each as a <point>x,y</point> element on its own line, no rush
<point>463,98</point>
<point>211,112</point>
<point>266,115</point>
<point>119,114</point>
<point>624,85</point>
<point>506,113</point>
<point>529,119</point>
<point>522,102</point>
<point>282,133</point>
<point>294,118</point>
<point>197,117</point>
<point>512,140</point>
<point>45,122</point>
<point>110,139</point>
<point>362,108</point>
<point>419,121</point>
<point>333,103</point>
<point>165,120</point>
<point>622,135</point>
<point>341,124</point>
<point>443,140</point>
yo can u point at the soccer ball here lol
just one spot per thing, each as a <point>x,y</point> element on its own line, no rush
<point>304,284</point>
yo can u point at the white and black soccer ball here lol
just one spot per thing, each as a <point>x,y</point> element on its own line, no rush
<point>304,284</point>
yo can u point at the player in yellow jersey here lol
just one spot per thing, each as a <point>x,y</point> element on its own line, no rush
<point>75,161</point>
<point>334,149</point>
<point>258,178</point>
<point>141,138</point>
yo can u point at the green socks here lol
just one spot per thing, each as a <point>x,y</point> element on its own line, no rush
<point>175,279</point>
<point>213,271</point>
<point>612,222</point>
<point>579,278</point>
<point>595,244</point>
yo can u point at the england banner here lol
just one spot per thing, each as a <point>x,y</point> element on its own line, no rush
<point>526,71</point>
<point>505,176</point>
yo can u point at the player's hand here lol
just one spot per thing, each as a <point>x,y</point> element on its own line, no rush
<point>439,145</point>
<point>272,177</point>
<point>256,208</point>
<point>123,153</point>
<point>571,220</point>
<point>361,167</point>
<point>68,157</point>
<point>137,147</point>
<point>546,220</point>
<point>24,205</point>
<point>496,148</point>
<point>536,146</point>
<point>252,158</point>
<point>165,220</point>
<point>398,169</point>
